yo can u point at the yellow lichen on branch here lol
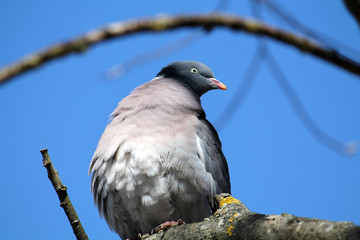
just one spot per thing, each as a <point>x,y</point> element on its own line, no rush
<point>228,200</point>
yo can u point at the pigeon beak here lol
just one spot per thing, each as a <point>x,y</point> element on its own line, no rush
<point>218,84</point>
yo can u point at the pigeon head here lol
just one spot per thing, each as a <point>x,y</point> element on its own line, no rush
<point>195,75</point>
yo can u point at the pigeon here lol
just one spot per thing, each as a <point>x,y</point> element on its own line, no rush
<point>159,158</point>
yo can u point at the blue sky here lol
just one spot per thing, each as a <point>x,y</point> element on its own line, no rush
<point>276,165</point>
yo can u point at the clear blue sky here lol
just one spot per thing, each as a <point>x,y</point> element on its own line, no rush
<point>276,165</point>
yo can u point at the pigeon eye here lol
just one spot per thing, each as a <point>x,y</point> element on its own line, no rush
<point>194,70</point>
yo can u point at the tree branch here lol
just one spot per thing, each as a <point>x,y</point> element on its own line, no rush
<point>65,202</point>
<point>164,23</point>
<point>235,221</point>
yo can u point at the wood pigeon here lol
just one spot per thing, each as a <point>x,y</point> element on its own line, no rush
<point>159,159</point>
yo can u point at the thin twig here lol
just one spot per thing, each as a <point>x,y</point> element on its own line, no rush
<point>350,148</point>
<point>122,69</point>
<point>65,202</point>
<point>289,18</point>
<point>241,92</point>
<point>354,8</point>
<point>163,23</point>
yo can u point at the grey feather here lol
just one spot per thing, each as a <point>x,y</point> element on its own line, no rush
<point>159,159</point>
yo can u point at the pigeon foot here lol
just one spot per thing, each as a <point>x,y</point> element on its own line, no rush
<point>166,225</point>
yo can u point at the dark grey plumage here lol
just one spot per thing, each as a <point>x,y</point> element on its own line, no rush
<point>159,159</point>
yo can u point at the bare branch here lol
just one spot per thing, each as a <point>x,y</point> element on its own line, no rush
<point>235,221</point>
<point>164,23</point>
<point>65,202</point>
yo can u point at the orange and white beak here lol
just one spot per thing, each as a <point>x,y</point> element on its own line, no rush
<point>218,84</point>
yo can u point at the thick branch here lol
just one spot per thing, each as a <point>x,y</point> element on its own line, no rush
<point>234,221</point>
<point>65,202</point>
<point>163,23</point>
